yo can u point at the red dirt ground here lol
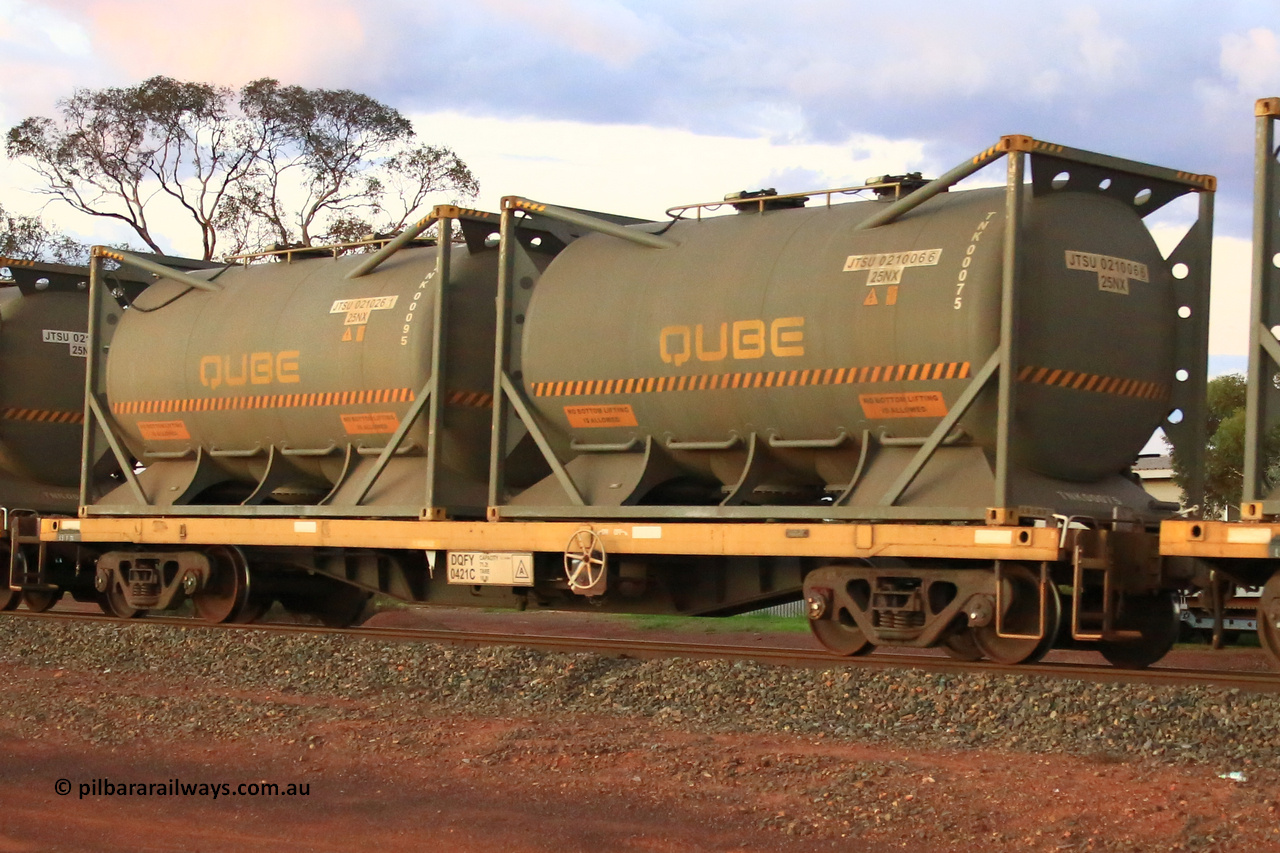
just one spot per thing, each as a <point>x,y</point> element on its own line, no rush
<point>586,783</point>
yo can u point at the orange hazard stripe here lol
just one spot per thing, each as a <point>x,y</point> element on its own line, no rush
<point>1077,381</point>
<point>44,416</point>
<point>269,401</point>
<point>470,399</point>
<point>764,379</point>
<point>1032,374</point>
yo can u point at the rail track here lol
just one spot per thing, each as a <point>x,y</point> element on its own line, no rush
<point>1257,682</point>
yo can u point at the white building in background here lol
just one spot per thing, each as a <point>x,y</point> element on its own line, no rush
<point>1156,472</point>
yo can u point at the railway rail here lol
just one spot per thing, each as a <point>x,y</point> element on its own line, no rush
<point>1257,682</point>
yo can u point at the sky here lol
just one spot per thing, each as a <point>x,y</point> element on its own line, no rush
<point>633,106</point>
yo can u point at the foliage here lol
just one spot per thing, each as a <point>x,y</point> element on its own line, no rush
<point>1224,452</point>
<point>270,163</point>
<point>28,238</point>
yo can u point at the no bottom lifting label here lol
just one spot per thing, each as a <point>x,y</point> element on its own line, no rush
<point>588,417</point>
<point>164,430</point>
<point>911,404</point>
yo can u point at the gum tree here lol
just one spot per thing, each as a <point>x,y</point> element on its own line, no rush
<point>28,238</point>
<point>268,163</point>
<point>1224,454</point>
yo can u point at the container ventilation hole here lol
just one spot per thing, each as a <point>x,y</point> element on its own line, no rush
<point>1142,197</point>
<point>1275,260</point>
<point>1061,179</point>
<point>536,241</point>
<point>492,240</point>
<point>1175,417</point>
<point>1182,375</point>
<point>1275,332</point>
<point>1181,271</point>
<point>1104,184</point>
<point>1184,311</point>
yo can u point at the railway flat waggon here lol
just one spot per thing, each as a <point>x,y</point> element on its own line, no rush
<point>916,409</point>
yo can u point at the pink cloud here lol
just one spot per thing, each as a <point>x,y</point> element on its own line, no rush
<point>228,42</point>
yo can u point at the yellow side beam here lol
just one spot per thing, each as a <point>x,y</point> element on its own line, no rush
<point>1218,539</point>
<point>777,539</point>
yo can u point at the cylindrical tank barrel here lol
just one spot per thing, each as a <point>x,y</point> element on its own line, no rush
<point>42,348</point>
<point>792,324</point>
<point>296,357</point>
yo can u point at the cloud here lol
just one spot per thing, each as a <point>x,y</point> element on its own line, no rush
<point>1170,83</point>
<point>1229,281</point>
<point>25,25</point>
<point>43,48</point>
<point>1251,61</point>
<point>602,29</point>
<point>1091,75</point>
<point>1103,55</point>
<point>228,42</point>
<point>642,171</point>
<point>1229,296</point>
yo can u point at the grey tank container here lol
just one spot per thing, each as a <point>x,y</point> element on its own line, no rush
<point>42,348</point>
<point>284,385</point>
<point>796,328</point>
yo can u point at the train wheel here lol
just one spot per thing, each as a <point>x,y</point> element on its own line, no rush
<point>225,595</point>
<point>9,598</point>
<point>254,609</point>
<point>334,603</point>
<point>962,646</point>
<point>1022,615</point>
<point>1156,618</point>
<point>40,601</point>
<point>1269,619</point>
<point>343,609</point>
<point>113,603</point>
<point>837,636</point>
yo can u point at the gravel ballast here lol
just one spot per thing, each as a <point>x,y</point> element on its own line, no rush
<point>911,708</point>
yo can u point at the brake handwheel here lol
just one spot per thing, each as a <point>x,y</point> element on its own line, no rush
<point>584,560</point>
